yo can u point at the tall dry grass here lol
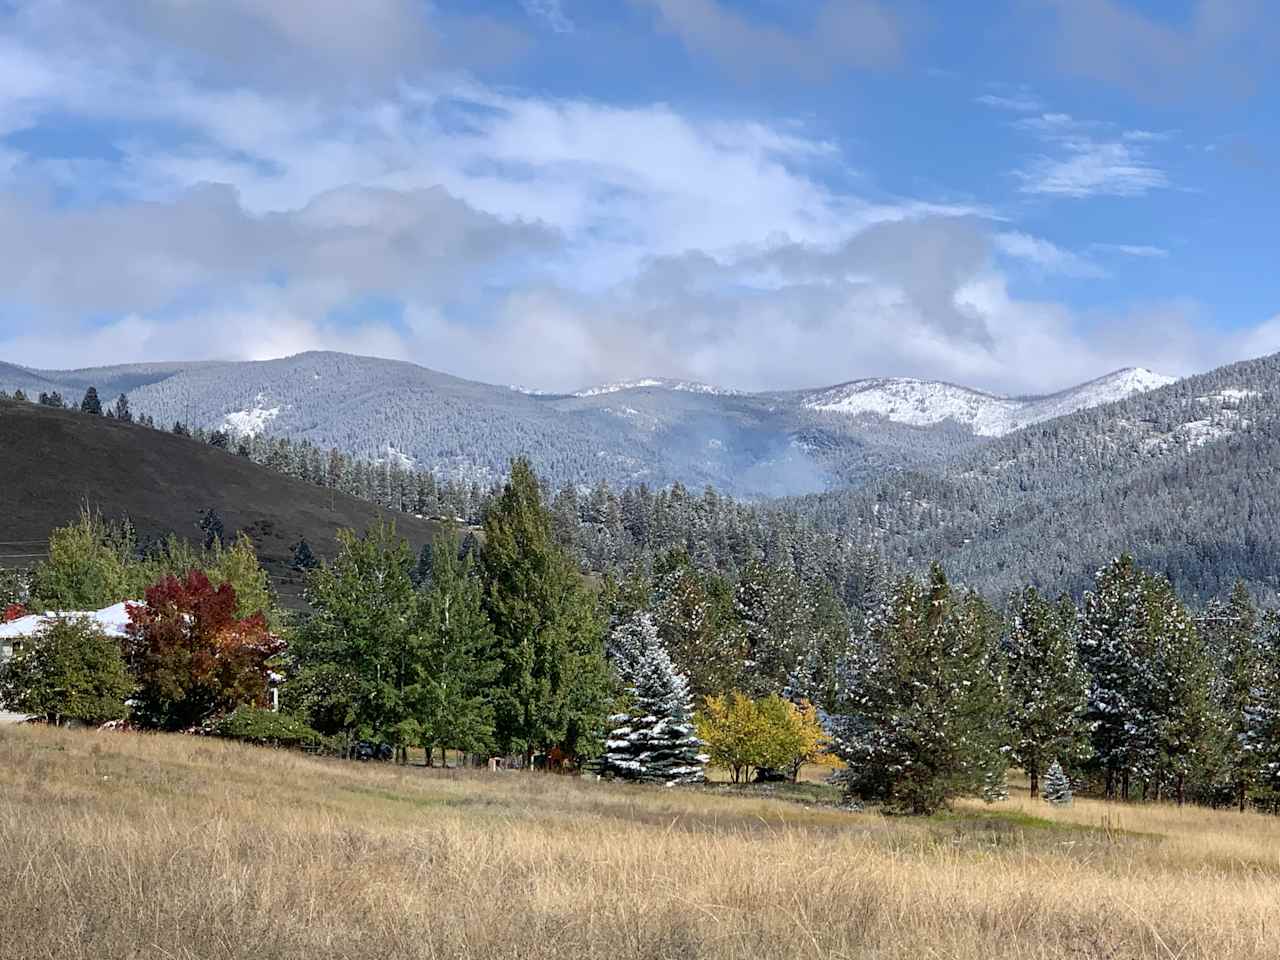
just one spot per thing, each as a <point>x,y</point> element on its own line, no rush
<point>116,845</point>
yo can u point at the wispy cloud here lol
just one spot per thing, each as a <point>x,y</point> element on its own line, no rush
<point>1015,99</point>
<point>1089,160</point>
<point>550,11</point>
<point>1131,250</point>
<point>1046,255</point>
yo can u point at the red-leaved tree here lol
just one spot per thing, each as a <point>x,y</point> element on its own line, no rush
<point>14,611</point>
<point>192,657</point>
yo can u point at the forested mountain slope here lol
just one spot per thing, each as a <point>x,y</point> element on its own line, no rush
<point>1186,477</point>
<point>52,462</point>
<point>649,431</point>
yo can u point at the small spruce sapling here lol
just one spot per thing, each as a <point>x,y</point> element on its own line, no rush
<point>1057,785</point>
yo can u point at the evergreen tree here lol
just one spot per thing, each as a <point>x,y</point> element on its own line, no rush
<point>654,740</point>
<point>19,395</point>
<point>1233,638</point>
<point>772,609</point>
<point>1057,785</point>
<point>1261,737</point>
<point>694,616</point>
<point>1182,709</point>
<point>554,686</point>
<point>1047,685</point>
<point>122,409</point>
<point>456,662</point>
<point>925,717</point>
<point>91,404</point>
<point>212,527</point>
<point>1117,649</point>
<point>303,559</point>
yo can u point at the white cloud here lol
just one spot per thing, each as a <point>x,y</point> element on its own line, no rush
<point>1046,255</point>
<point>1016,100</point>
<point>1087,161</point>
<point>1132,249</point>
<point>551,12</point>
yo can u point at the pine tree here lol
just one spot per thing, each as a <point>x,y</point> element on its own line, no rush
<point>91,404</point>
<point>554,685</point>
<point>1057,785</point>
<point>1047,685</point>
<point>1232,635</point>
<point>654,740</point>
<point>212,527</point>
<point>1261,735</point>
<point>693,613</point>
<point>122,409</point>
<point>1118,650</point>
<point>303,559</point>
<point>924,721</point>
<point>1181,707</point>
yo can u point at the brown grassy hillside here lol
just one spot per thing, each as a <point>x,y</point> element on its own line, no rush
<point>53,461</point>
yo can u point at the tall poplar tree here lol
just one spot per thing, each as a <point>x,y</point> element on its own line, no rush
<point>456,663</point>
<point>553,688</point>
<point>356,652</point>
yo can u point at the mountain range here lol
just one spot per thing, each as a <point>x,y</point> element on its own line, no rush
<point>654,430</point>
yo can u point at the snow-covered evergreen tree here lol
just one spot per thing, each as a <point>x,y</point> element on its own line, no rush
<point>1057,785</point>
<point>1117,650</point>
<point>654,740</point>
<point>1047,685</point>
<point>924,719</point>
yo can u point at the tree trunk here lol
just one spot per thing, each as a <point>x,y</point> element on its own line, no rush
<point>444,757</point>
<point>1034,776</point>
<point>1182,789</point>
<point>1240,796</point>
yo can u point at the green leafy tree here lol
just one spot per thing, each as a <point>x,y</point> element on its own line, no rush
<point>90,566</point>
<point>70,670</point>
<point>356,653</point>
<point>554,687</point>
<point>456,662</point>
<point>1047,685</point>
<point>926,717</point>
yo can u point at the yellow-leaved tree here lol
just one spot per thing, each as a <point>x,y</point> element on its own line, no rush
<point>771,733</point>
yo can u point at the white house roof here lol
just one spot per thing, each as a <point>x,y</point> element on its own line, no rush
<point>111,620</point>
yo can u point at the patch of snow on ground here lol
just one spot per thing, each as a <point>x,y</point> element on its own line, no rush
<point>682,386</point>
<point>251,422</point>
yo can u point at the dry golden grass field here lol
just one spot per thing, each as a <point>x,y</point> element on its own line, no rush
<point>122,845</point>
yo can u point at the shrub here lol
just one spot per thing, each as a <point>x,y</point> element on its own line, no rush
<point>70,670</point>
<point>265,727</point>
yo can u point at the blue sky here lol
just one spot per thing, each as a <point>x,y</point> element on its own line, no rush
<point>1014,195</point>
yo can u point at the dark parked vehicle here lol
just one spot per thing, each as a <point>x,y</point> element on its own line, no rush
<point>366,750</point>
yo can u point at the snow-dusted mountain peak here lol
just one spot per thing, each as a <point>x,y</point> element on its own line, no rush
<point>928,402</point>
<point>663,383</point>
